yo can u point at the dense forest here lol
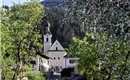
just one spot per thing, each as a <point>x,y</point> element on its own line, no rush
<point>96,31</point>
<point>74,18</point>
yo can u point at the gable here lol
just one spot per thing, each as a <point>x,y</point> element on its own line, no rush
<point>56,46</point>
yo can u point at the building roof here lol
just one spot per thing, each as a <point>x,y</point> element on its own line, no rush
<point>56,46</point>
<point>43,56</point>
<point>68,56</point>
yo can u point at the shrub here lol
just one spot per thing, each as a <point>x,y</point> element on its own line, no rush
<point>36,75</point>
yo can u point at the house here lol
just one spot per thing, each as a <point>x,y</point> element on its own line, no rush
<point>40,62</point>
<point>54,56</point>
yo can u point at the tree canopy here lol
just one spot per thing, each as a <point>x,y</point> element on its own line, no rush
<point>20,37</point>
<point>75,17</point>
<point>102,58</point>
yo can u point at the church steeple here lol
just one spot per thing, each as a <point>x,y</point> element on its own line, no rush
<point>47,38</point>
<point>48,28</point>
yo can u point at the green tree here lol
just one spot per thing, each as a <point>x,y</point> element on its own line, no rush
<point>98,15</point>
<point>5,45</point>
<point>20,37</point>
<point>102,58</point>
<point>75,17</point>
<point>61,32</point>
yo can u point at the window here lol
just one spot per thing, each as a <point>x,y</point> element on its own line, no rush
<point>33,62</point>
<point>58,57</point>
<point>48,62</point>
<point>54,58</point>
<point>72,61</point>
<point>56,48</point>
<point>47,39</point>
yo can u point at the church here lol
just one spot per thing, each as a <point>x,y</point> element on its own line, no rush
<point>54,56</point>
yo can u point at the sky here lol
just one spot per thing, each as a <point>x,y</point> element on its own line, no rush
<point>10,2</point>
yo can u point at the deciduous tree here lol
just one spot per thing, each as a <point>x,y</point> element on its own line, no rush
<point>20,37</point>
<point>102,58</point>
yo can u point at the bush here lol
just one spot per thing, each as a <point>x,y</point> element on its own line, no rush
<point>36,75</point>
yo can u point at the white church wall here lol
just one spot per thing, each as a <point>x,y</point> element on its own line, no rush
<point>47,36</point>
<point>68,64</point>
<point>57,59</point>
<point>47,42</point>
<point>47,46</point>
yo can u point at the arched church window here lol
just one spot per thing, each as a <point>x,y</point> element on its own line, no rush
<point>47,39</point>
<point>56,48</point>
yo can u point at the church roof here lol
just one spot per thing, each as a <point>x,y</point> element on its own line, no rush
<point>69,56</point>
<point>56,46</point>
<point>43,56</point>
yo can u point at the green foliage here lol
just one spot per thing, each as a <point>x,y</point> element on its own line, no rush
<point>102,57</point>
<point>5,45</point>
<point>75,17</point>
<point>20,37</point>
<point>96,16</point>
<point>36,75</point>
<point>63,33</point>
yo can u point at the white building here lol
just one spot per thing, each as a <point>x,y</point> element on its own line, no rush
<point>54,56</point>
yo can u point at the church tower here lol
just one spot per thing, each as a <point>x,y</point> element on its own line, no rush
<point>47,38</point>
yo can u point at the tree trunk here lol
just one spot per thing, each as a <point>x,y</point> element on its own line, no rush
<point>18,68</point>
<point>19,61</point>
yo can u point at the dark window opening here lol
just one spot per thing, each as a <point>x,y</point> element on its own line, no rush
<point>56,48</point>
<point>33,62</point>
<point>58,57</point>
<point>72,61</point>
<point>47,39</point>
<point>54,58</point>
